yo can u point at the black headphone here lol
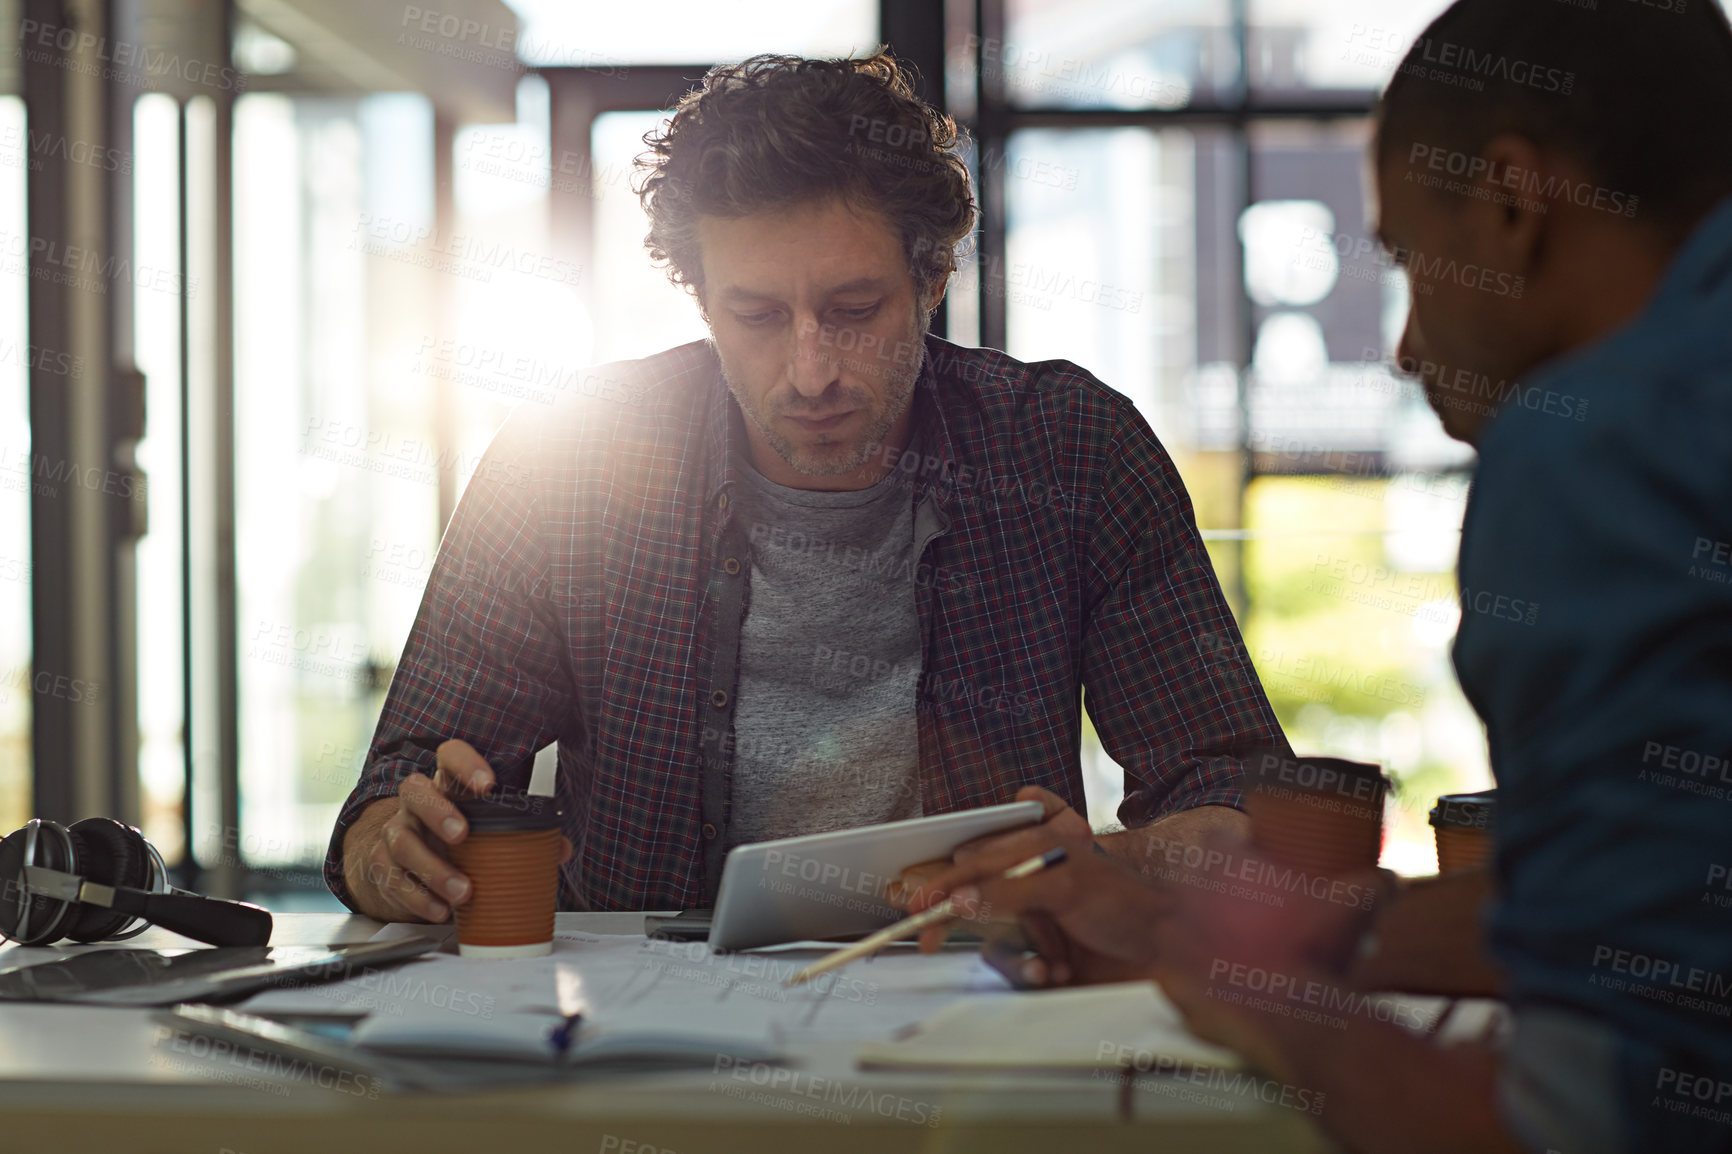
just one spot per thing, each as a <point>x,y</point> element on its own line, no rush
<point>100,880</point>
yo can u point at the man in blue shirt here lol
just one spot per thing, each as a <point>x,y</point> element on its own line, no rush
<point>1557,182</point>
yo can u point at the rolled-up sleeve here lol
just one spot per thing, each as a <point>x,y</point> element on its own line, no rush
<point>1169,685</point>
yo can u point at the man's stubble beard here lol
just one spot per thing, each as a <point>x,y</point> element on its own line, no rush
<point>836,459</point>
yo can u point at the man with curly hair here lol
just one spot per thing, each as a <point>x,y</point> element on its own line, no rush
<point>821,570</point>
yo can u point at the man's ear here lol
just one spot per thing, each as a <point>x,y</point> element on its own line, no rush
<point>1511,195</point>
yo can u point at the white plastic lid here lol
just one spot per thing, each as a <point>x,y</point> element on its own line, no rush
<point>533,950</point>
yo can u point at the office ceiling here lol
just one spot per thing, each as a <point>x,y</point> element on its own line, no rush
<point>461,54</point>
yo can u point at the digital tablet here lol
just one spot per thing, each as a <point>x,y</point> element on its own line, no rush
<point>831,885</point>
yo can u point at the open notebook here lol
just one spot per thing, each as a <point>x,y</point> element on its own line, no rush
<point>530,1036</point>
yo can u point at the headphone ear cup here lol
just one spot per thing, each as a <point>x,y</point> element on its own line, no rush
<point>109,853</point>
<point>44,917</point>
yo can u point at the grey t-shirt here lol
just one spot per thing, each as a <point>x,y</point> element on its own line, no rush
<point>825,734</point>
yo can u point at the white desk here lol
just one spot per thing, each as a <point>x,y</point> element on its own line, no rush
<point>87,1080</point>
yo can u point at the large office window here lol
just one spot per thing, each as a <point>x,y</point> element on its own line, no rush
<point>558,32</point>
<point>1118,300</point>
<point>641,311</point>
<point>1113,53</point>
<point>338,463</point>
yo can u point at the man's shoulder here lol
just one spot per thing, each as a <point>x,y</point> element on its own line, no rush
<point>678,377</point>
<point>627,422</point>
<point>612,404</point>
<point>1648,405</point>
<point>1014,424</point>
<point>1004,392</point>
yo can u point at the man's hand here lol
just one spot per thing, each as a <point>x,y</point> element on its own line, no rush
<point>1088,919</point>
<point>1243,926</point>
<point>396,872</point>
<point>1059,825</point>
<point>1072,915</point>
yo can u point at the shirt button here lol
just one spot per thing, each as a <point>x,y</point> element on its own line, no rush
<point>709,832</point>
<point>731,566</point>
<point>722,501</point>
<point>719,699</point>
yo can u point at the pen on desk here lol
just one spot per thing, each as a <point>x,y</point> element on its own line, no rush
<point>561,1034</point>
<point>944,909</point>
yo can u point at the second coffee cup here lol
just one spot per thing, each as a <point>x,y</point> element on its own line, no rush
<point>1464,823</point>
<point>1320,814</point>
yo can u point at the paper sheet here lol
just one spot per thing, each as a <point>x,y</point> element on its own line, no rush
<point>1130,1024</point>
<point>631,983</point>
<point>396,931</point>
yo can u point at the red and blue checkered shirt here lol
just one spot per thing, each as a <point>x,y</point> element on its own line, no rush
<point>591,587</point>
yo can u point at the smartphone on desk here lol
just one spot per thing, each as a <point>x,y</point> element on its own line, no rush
<point>685,926</point>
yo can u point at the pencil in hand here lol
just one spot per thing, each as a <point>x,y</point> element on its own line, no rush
<point>917,922</point>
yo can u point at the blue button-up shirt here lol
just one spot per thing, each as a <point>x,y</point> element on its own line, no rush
<point>1603,509</point>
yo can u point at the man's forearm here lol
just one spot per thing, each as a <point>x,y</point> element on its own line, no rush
<point>1160,846</point>
<point>1429,938</point>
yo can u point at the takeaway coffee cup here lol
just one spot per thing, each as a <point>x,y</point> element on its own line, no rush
<point>1320,814</point>
<point>511,857</point>
<point>1463,823</point>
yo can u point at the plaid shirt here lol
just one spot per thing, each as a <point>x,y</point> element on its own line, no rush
<point>591,587</point>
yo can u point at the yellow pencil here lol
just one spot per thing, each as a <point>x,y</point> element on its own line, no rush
<point>875,942</point>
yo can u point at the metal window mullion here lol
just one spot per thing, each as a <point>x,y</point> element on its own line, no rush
<point>223,363</point>
<point>48,325</point>
<point>914,31</point>
<point>1241,137</point>
<point>992,136</point>
<point>1190,116</point>
<point>189,860</point>
<point>212,812</point>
